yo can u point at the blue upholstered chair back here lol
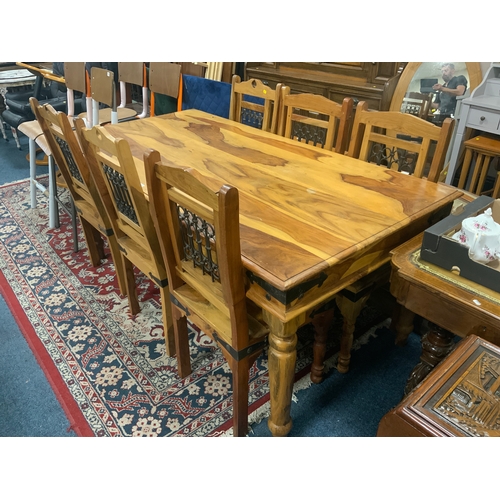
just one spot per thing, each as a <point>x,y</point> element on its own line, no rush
<point>206,95</point>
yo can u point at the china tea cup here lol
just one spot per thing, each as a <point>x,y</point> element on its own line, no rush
<point>481,234</point>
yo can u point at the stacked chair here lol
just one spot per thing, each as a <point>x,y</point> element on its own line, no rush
<point>165,84</point>
<point>135,75</point>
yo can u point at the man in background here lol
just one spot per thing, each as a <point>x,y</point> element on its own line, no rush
<point>453,87</point>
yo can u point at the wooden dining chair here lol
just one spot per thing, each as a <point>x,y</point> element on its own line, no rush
<point>255,104</point>
<point>415,103</point>
<point>84,192</point>
<point>112,166</point>
<point>165,84</point>
<point>197,221</point>
<point>316,120</point>
<point>398,141</point>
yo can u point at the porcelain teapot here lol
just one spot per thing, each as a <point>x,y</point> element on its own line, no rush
<point>481,234</point>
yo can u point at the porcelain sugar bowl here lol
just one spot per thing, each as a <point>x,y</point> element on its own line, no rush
<point>481,234</point>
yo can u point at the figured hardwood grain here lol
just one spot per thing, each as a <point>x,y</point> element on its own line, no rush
<point>311,221</point>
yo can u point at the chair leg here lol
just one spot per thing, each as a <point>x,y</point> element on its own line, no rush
<point>33,181</point>
<point>116,255</point>
<point>131,286</point>
<point>168,327</point>
<point>95,243</point>
<point>53,203</point>
<point>74,225</point>
<point>240,373</point>
<point>2,127</point>
<point>180,328</point>
<point>16,138</point>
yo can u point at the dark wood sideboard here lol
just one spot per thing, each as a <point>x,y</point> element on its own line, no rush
<point>373,82</point>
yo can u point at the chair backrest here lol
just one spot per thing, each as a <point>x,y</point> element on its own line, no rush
<point>77,79</point>
<point>316,120</point>
<point>112,165</point>
<point>417,104</point>
<point>67,153</point>
<point>165,79</point>
<point>103,90</point>
<point>198,226</point>
<point>206,95</point>
<point>133,73</point>
<point>400,141</point>
<point>255,104</point>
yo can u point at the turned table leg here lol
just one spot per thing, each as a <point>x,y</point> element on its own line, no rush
<point>437,343</point>
<point>350,311</point>
<point>321,323</point>
<point>403,322</point>
<point>281,359</point>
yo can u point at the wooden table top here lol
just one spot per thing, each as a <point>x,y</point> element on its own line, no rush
<point>308,216</point>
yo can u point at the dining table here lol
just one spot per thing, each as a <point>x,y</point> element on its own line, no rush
<point>312,221</point>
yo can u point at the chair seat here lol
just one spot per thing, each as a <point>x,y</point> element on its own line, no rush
<point>33,130</point>
<point>105,115</point>
<point>92,215</point>
<point>215,320</point>
<point>142,259</point>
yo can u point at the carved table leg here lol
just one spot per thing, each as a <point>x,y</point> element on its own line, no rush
<point>321,323</point>
<point>350,311</point>
<point>281,358</point>
<point>403,323</point>
<point>436,345</point>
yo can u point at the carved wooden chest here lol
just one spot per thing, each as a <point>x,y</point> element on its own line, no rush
<point>460,397</point>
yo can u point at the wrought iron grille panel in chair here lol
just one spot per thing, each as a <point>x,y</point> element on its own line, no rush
<point>315,120</point>
<point>393,158</point>
<point>70,159</point>
<point>198,237</point>
<point>409,143</point>
<point>120,192</point>
<point>309,133</point>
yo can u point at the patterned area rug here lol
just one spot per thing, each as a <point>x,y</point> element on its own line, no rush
<point>109,369</point>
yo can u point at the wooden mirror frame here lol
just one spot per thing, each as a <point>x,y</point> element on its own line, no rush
<point>473,68</point>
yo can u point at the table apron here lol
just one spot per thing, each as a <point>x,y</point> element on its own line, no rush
<point>314,291</point>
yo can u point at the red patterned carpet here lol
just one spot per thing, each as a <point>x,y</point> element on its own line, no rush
<point>109,369</point>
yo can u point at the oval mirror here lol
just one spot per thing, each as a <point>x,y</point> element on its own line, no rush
<point>418,78</point>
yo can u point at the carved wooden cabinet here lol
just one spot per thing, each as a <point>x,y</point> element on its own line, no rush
<point>460,397</point>
<point>373,82</point>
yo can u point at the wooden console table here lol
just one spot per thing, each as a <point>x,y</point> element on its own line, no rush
<point>453,305</point>
<point>461,397</point>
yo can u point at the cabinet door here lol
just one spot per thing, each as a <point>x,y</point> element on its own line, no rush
<point>380,72</point>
